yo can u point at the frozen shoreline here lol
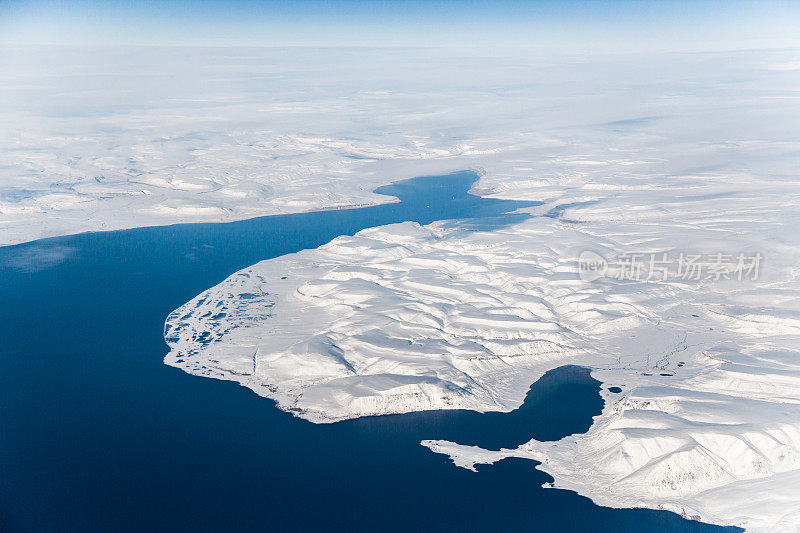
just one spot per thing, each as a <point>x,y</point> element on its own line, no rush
<point>452,315</point>
<point>697,154</point>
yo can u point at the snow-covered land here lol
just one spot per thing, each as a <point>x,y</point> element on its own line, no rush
<point>680,153</point>
<point>112,138</point>
<point>403,317</point>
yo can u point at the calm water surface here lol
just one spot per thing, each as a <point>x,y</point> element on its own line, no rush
<point>97,434</point>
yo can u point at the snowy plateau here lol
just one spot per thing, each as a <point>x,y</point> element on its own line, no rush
<point>631,155</point>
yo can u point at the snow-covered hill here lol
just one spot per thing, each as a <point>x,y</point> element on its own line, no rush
<point>403,318</point>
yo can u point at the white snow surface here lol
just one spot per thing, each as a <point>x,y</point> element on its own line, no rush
<point>112,138</point>
<point>405,317</point>
<point>632,154</point>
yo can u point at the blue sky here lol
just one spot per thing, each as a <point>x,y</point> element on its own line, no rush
<point>617,25</point>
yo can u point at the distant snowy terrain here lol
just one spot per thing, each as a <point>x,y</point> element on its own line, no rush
<point>633,156</point>
<point>95,139</point>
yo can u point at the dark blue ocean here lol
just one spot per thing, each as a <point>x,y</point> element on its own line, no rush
<point>97,434</point>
